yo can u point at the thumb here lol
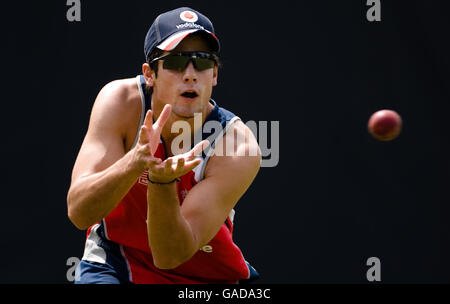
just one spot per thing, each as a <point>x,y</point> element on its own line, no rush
<point>200,147</point>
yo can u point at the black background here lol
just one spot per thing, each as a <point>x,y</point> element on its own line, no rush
<point>336,197</point>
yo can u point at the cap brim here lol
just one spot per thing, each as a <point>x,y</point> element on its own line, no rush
<point>173,40</point>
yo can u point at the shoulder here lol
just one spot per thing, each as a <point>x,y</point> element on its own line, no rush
<point>118,93</point>
<point>237,151</point>
<point>117,103</point>
<point>244,140</point>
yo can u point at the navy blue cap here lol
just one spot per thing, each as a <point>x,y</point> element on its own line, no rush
<point>171,27</point>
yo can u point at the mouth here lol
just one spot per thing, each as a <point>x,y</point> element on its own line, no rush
<point>190,94</point>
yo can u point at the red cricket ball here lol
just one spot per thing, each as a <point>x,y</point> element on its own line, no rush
<point>385,125</point>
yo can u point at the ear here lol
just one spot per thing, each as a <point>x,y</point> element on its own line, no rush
<point>215,75</point>
<point>149,74</point>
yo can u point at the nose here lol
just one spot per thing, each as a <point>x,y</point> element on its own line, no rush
<point>190,74</point>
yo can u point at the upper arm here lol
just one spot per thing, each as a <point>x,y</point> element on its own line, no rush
<point>104,141</point>
<point>227,177</point>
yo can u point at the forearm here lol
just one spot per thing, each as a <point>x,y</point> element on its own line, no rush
<point>171,239</point>
<point>93,197</point>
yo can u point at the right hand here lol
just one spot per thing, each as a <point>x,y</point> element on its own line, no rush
<point>149,137</point>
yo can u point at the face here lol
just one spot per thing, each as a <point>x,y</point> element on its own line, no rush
<point>188,91</point>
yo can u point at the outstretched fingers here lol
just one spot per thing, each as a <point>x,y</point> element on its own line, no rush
<point>168,166</point>
<point>144,136</point>
<point>148,120</point>
<point>180,165</point>
<point>162,119</point>
<point>199,148</point>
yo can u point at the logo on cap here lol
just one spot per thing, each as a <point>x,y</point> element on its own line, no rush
<point>188,16</point>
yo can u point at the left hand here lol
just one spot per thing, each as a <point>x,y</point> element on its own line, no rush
<point>178,165</point>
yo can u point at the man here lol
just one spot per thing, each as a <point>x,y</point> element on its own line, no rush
<point>157,209</point>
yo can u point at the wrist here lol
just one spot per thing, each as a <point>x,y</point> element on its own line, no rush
<point>162,182</point>
<point>136,164</point>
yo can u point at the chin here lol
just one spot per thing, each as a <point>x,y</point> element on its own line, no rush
<point>186,110</point>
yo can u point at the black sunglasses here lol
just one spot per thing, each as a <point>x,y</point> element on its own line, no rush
<point>179,61</point>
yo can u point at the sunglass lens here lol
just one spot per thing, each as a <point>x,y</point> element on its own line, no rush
<point>176,63</point>
<point>203,64</point>
<point>179,63</point>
